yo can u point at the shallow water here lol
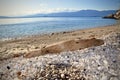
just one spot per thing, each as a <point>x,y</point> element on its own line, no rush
<point>18,27</point>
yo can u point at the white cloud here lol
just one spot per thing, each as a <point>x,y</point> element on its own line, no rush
<point>54,10</point>
<point>21,10</point>
<point>42,10</point>
<point>26,7</point>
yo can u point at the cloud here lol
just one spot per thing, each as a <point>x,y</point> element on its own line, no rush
<point>43,11</point>
<point>18,8</point>
<point>54,10</point>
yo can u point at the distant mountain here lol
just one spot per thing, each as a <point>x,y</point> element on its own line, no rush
<point>4,17</point>
<point>81,13</point>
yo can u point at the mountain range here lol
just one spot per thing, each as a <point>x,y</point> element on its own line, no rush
<point>81,13</point>
<point>4,17</point>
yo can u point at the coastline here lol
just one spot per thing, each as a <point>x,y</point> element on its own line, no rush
<point>91,63</point>
<point>49,33</point>
<point>32,43</point>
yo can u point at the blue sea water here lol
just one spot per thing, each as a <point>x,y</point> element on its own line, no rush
<point>18,27</point>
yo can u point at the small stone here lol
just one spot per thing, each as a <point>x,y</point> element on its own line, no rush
<point>104,78</point>
<point>43,73</point>
<point>114,61</point>
<point>100,68</point>
<point>64,32</point>
<point>114,78</point>
<point>8,67</point>
<point>16,55</point>
<point>16,79</point>
<point>82,78</point>
<point>22,49</point>
<point>1,74</point>
<point>30,61</point>
<point>67,56</point>
<point>36,47</point>
<point>62,75</point>
<point>84,69</point>
<point>105,62</point>
<point>103,49</point>
<point>19,73</point>
<point>52,34</point>
<point>112,72</point>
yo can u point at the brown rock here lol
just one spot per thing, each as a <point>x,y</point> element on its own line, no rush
<point>92,36</point>
<point>19,74</point>
<point>16,55</point>
<point>114,16</point>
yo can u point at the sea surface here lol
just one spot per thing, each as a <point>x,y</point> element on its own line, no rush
<point>19,27</point>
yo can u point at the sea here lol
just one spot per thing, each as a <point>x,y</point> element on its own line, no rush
<point>20,27</point>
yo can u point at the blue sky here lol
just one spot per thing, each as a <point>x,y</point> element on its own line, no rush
<point>26,7</point>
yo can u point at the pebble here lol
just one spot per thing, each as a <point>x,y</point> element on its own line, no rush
<point>62,75</point>
<point>86,64</point>
<point>104,78</point>
<point>8,67</point>
<point>114,78</point>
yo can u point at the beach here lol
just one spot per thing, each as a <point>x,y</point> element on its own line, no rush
<point>32,43</point>
<point>59,40</point>
<point>98,61</point>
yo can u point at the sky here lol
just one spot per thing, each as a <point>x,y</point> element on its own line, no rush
<point>28,7</point>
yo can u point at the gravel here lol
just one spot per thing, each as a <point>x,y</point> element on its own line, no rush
<point>94,63</point>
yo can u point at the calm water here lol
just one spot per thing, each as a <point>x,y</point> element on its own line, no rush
<point>18,27</point>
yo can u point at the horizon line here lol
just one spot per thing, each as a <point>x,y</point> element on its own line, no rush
<point>53,12</point>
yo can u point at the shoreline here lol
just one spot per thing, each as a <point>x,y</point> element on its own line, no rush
<point>97,62</point>
<point>44,34</point>
<point>36,42</point>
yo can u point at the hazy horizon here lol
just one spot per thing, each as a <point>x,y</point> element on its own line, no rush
<point>29,7</point>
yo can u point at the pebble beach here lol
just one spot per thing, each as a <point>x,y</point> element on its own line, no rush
<point>93,63</point>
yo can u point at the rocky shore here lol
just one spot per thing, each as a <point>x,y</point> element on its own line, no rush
<point>114,16</point>
<point>93,63</point>
<point>17,47</point>
<point>100,62</point>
